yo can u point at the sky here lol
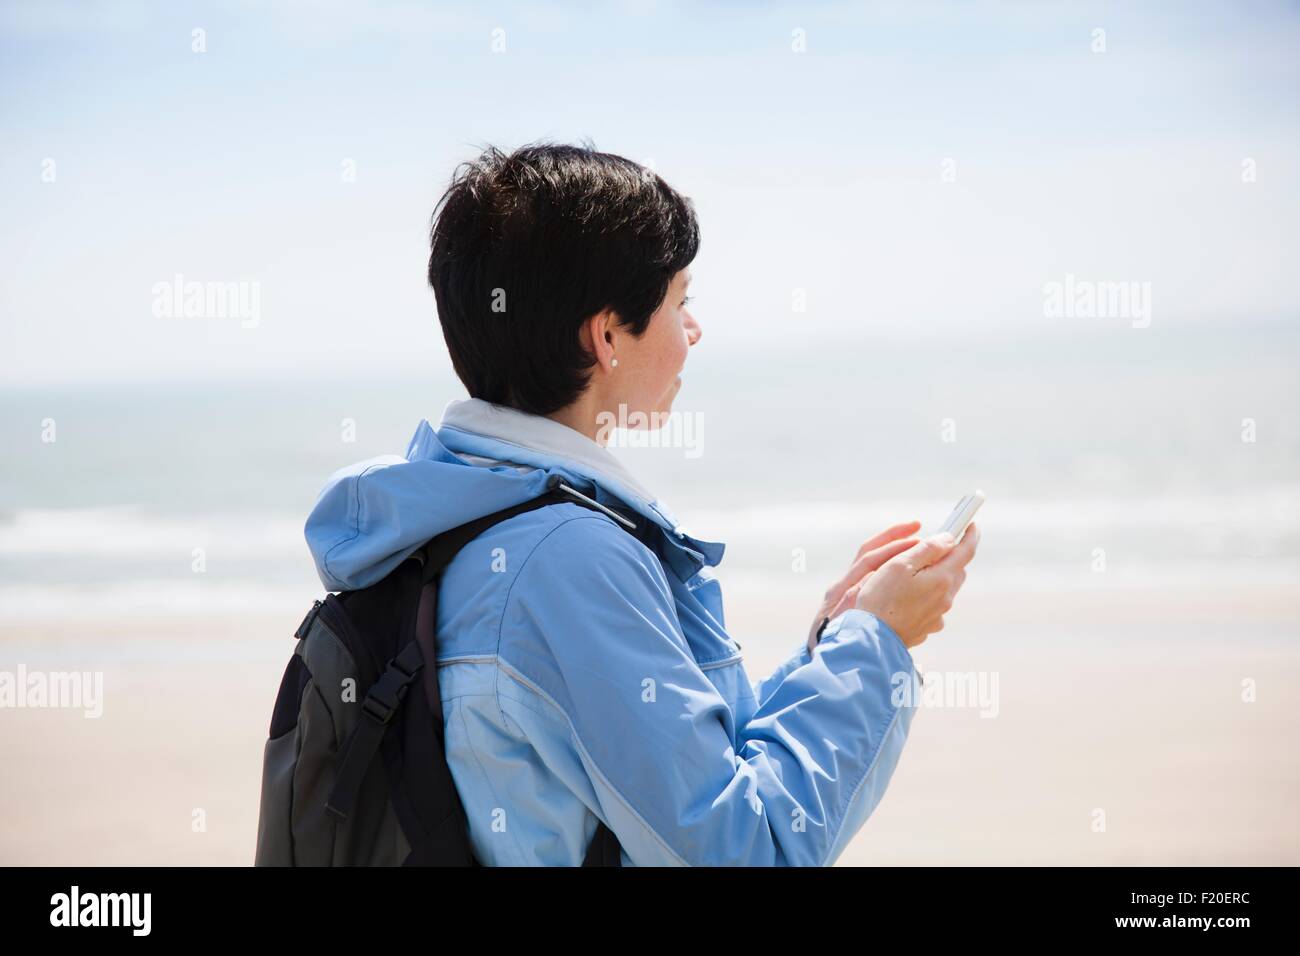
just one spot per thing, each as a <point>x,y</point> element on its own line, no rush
<point>863,172</point>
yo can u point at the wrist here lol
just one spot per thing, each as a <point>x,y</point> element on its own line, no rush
<point>883,625</point>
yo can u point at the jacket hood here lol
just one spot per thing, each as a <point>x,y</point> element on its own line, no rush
<point>373,515</point>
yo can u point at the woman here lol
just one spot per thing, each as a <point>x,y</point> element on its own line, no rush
<point>585,670</point>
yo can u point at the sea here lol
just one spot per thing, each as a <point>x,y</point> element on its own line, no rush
<point>1166,456</point>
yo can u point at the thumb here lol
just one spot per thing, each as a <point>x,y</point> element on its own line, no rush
<point>926,553</point>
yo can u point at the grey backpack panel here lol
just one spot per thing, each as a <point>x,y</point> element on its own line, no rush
<point>294,828</point>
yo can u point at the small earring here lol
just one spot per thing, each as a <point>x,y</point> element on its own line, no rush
<point>613,363</point>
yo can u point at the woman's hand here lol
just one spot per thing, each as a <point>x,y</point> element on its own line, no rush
<point>912,591</point>
<point>873,553</point>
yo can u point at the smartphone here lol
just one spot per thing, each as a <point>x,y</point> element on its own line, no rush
<point>961,515</point>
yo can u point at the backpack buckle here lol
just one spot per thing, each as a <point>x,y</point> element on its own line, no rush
<point>380,710</point>
<point>387,693</point>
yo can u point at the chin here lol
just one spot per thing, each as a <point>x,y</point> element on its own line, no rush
<point>666,406</point>
<point>671,395</point>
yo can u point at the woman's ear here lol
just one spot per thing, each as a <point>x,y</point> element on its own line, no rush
<point>599,330</point>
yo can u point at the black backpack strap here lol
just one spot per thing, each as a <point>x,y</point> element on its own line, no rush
<point>411,754</point>
<point>388,692</point>
<point>377,711</point>
<point>437,554</point>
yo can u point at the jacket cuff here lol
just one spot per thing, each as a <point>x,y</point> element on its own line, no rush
<point>869,623</point>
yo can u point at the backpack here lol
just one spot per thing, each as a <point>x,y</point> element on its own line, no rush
<point>326,800</point>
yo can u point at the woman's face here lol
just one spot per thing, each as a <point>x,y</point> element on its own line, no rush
<point>648,375</point>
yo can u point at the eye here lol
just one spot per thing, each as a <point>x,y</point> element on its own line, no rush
<point>688,298</point>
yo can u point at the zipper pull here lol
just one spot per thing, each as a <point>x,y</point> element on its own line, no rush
<point>307,621</point>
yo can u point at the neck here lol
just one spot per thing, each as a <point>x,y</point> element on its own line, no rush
<point>581,416</point>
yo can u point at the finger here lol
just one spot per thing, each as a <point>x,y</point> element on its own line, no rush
<point>904,530</point>
<point>872,560</point>
<point>865,564</point>
<point>926,553</point>
<point>965,550</point>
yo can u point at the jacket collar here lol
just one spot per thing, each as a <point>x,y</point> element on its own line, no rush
<point>496,433</point>
<point>545,436</point>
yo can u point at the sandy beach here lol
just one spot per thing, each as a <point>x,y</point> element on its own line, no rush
<point>1095,711</point>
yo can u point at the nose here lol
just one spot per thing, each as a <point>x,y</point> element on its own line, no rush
<point>693,330</point>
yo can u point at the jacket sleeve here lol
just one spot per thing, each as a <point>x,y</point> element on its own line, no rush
<point>675,779</point>
<point>763,688</point>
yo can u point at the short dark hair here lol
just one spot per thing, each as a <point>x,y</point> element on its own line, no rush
<point>525,247</point>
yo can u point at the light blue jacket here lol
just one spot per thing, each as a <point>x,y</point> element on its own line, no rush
<point>586,671</point>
